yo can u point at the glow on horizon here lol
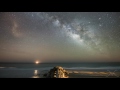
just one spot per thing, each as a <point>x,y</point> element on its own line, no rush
<point>37,62</point>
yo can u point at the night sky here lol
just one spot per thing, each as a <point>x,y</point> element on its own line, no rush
<point>59,36</point>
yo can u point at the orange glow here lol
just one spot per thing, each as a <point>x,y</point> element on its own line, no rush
<point>37,62</point>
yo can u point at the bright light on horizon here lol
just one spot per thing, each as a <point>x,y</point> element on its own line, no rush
<point>37,62</point>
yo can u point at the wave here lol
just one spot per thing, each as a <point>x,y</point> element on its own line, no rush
<point>92,67</point>
<point>71,68</point>
<point>24,68</point>
<point>7,67</point>
<point>2,67</point>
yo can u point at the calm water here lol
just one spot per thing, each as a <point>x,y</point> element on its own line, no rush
<point>15,70</point>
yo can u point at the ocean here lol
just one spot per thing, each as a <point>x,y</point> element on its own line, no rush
<point>77,70</point>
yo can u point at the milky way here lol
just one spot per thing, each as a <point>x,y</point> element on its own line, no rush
<point>59,36</point>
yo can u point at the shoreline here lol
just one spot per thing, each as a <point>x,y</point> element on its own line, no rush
<point>38,73</point>
<point>92,74</point>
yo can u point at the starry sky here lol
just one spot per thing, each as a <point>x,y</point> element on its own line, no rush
<point>59,36</point>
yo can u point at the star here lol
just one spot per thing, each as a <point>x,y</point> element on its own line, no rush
<point>89,22</point>
<point>99,18</point>
<point>100,25</point>
<point>83,35</point>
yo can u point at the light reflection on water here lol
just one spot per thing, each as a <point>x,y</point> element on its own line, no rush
<point>36,74</point>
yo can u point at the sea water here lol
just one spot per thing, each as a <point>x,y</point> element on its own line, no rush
<point>31,70</point>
